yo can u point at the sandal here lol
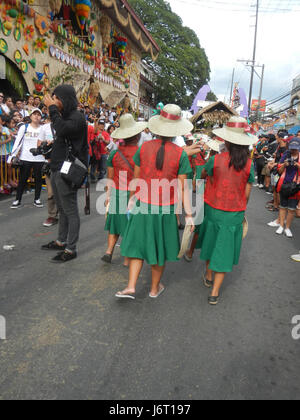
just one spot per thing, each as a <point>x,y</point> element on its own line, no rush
<point>107,258</point>
<point>207,283</point>
<point>213,300</point>
<point>122,295</point>
<point>162,289</point>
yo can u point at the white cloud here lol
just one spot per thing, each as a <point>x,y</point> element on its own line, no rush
<point>228,36</point>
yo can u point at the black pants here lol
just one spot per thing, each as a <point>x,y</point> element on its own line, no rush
<point>25,171</point>
<point>260,164</point>
<point>69,219</point>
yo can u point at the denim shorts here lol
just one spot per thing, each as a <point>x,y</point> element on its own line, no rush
<point>288,203</point>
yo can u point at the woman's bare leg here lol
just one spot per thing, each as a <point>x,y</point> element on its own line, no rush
<point>157,272</point>
<point>219,279</point>
<point>290,218</point>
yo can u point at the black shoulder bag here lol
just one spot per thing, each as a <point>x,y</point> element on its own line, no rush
<point>73,170</point>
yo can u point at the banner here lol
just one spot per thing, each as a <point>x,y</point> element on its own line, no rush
<point>263,105</point>
<point>2,68</point>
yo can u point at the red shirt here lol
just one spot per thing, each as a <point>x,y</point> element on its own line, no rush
<point>91,137</point>
<point>106,137</point>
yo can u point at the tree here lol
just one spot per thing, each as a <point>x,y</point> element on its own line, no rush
<point>211,97</point>
<point>182,66</point>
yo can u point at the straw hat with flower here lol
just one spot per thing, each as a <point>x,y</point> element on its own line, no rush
<point>170,123</point>
<point>237,131</point>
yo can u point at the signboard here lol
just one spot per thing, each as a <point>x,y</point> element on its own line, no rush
<point>262,108</point>
<point>134,87</point>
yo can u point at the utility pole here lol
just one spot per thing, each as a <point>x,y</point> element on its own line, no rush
<point>260,91</point>
<point>254,55</point>
<point>231,91</point>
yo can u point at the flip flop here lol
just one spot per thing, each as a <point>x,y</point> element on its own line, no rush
<point>158,294</point>
<point>121,295</point>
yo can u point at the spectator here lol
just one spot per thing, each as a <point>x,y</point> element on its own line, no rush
<point>5,149</point>
<point>26,140</point>
<point>260,156</point>
<point>16,116</point>
<point>289,169</point>
<point>8,105</point>
<point>30,104</point>
<point>20,108</point>
<point>146,136</point>
<point>1,103</point>
<point>46,135</point>
<point>273,167</point>
<point>37,102</point>
<point>94,142</point>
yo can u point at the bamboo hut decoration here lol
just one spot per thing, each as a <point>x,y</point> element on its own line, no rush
<point>217,113</point>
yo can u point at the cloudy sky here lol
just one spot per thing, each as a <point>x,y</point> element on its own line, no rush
<point>228,35</point>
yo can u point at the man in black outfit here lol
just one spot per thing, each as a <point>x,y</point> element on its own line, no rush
<point>70,126</point>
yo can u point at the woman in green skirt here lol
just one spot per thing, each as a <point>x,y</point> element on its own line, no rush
<point>214,147</point>
<point>120,174</point>
<point>152,232</point>
<point>230,178</point>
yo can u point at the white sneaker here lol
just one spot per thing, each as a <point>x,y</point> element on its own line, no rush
<point>280,230</point>
<point>15,205</point>
<point>296,258</point>
<point>38,203</point>
<point>288,233</point>
<point>261,186</point>
<point>274,224</point>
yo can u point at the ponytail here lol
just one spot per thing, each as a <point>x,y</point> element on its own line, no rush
<point>160,157</point>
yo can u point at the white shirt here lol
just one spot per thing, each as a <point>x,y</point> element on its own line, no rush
<point>5,109</point>
<point>145,137</point>
<point>24,113</point>
<point>27,142</point>
<point>179,141</point>
<point>46,133</point>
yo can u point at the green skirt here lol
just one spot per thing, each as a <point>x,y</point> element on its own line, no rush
<point>220,239</point>
<point>116,221</point>
<point>152,237</point>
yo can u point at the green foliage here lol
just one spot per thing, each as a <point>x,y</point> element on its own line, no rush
<point>211,97</point>
<point>64,77</point>
<point>182,67</point>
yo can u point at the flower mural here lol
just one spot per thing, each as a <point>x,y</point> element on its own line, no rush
<point>29,32</point>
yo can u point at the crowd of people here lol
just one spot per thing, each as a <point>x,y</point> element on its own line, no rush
<point>277,162</point>
<point>38,137</point>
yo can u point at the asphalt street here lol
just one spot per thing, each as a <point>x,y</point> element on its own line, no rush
<point>68,337</point>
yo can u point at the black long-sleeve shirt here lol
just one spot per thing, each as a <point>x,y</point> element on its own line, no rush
<point>72,128</point>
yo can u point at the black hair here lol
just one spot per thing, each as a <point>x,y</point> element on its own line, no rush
<point>239,156</point>
<point>160,157</point>
<point>133,139</point>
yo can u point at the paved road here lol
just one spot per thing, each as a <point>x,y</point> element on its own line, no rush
<point>69,338</point>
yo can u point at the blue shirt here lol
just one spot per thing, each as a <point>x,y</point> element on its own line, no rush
<point>291,171</point>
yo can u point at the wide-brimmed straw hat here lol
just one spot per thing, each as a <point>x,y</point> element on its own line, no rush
<point>237,131</point>
<point>128,128</point>
<point>214,145</point>
<point>170,123</point>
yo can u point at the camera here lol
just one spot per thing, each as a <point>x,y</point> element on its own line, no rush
<point>291,161</point>
<point>44,149</point>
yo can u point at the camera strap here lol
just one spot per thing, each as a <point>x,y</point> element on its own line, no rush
<point>21,145</point>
